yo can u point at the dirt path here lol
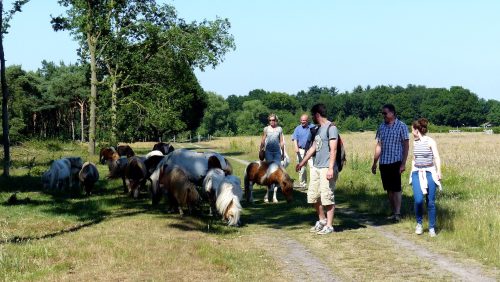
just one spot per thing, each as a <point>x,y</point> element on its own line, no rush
<point>292,252</point>
<point>299,262</point>
<point>461,271</point>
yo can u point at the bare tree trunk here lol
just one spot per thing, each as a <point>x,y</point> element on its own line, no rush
<point>34,123</point>
<point>92,42</point>
<point>82,124</point>
<point>72,125</point>
<point>113,112</point>
<point>5,99</point>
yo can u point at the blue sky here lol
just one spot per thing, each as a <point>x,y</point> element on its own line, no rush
<point>288,46</point>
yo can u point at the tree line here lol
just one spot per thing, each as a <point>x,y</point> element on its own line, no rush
<point>354,110</point>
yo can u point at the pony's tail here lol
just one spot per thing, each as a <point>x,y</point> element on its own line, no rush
<point>246,184</point>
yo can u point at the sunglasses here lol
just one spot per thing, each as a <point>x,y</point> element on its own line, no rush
<point>384,113</point>
<point>272,120</point>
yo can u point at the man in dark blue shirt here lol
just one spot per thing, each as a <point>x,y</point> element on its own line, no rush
<point>301,142</point>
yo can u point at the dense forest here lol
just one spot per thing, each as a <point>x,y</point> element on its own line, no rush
<point>135,81</point>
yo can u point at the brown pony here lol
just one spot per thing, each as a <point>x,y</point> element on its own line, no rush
<point>108,154</point>
<point>121,151</point>
<point>271,175</point>
<point>116,165</point>
<point>125,150</point>
<point>135,175</point>
<point>181,192</point>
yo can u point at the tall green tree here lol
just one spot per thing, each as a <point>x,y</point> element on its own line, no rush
<point>216,118</point>
<point>122,37</point>
<point>88,21</point>
<point>252,119</point>
<point>4,25</point>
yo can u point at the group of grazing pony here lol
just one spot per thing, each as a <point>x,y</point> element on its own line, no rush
<point>177,174</point>
<point>62,172</point>
<point>184,176</point>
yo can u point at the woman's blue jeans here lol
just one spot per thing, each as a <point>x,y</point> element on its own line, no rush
<point>273,156</point>
<point>418,196</point>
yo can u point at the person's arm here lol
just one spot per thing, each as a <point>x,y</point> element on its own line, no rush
<point>333,156</point>
<point>296,145</point>
<point>263,140</point>
<point>282,145</point>
<point>437,159</point>
<point>307,156</point>
<point>406,148</point>
<point>376,156</point>
<point>295,142</point>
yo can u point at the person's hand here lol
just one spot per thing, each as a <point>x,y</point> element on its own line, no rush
<point>374,168</point>
<point>329,174</point>
<point>298,167</point>
<point>402,168</point>
<point>299,157</point>
<point>438,175</point>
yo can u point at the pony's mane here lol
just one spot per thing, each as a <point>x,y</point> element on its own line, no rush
<point>213,179</point>
<point>154,153</point>
<point>230,192</point>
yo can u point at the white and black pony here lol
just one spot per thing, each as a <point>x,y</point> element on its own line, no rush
<point>224,194</point>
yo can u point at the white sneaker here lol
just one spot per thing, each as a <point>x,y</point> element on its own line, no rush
<point>432,232</point>
<point>317,227</point>
<point>326,230</point>
<point>419,229</point>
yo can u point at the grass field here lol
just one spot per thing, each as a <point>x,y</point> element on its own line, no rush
<point>111,237</point>
<point>468,213</point>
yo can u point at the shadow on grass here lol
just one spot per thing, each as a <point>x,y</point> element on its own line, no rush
<point>77,227</point>
<point>24,183</point>
<point>232,154</point>
<point>295,215</point>
<point>370,206</point>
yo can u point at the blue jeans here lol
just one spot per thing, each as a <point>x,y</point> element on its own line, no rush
<point>418,196</point>
<point>273,156</point>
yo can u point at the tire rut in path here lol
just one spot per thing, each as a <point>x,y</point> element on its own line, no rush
<point>299,263</point>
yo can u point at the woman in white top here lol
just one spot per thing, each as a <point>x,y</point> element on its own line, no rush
<point>272,141</point>
<point>426,174</point>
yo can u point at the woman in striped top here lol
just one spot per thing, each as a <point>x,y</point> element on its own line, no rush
<point>426,174</point>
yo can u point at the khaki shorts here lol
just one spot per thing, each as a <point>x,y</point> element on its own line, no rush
<point>321,188</point>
